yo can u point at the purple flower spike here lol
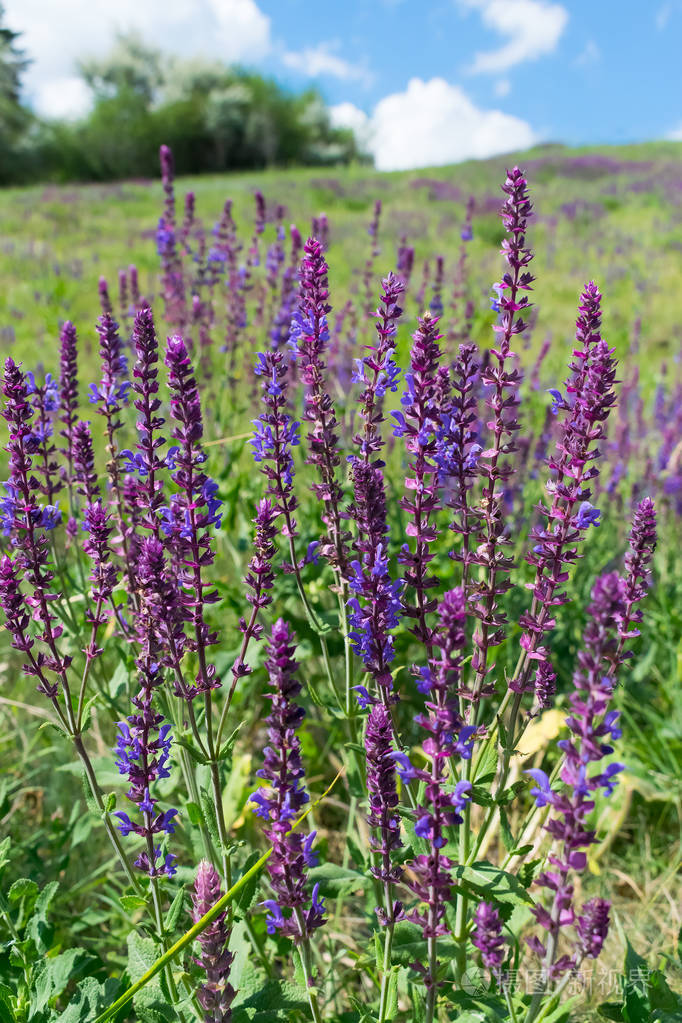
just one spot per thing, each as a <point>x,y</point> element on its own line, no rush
<point>375,604</point>
<point>194,508</point>
<point>281,800</point>
<point>104,300</point>
<point>457,455</point>
<point>216,994</point>
<point>378,371</point>
<point>309,338</point>
<point>383,800</point>
<point>25,519</point>
<point>592,928</point>
<point>45,401</point>
<point>104,575</point>
<point>637,574</point>
<point>570,514</point>
<point>68,393</point>
<point>448,740</point>
<point>84,474</point>
<point>259,580</point>
<point>487,936</point>
<point>494,465</point>
<point>592,727</point>
<point>144,741</point>
<point>418,424</point>
<point>275,435</point>
<point>147,404</point>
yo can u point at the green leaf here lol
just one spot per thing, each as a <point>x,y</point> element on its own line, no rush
<point>4,855</point>
<point>90,998</point>
<point>506,832</point>
<point>194,814</point>
<point>142,953</point>
<point>636,1005</point>
<point>249,892</point>
<point>175,910</point>
<point>485,768</point>
<point>38,928</point>
<point>274,1001</point>
<point>611,1010</point>
<point>23,888</point>
<point>209,815</point>
<point>52,976</point>
<point>195,754</point>
<point>132,902</point>
<point>527,871</point>
<point>118,683</point>
<point>485,880</point>
<point>335,881</point>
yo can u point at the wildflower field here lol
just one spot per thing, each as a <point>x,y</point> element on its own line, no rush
<point>340,577</point>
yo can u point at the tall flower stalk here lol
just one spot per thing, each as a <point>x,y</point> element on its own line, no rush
<point>418,424</point>
<point>592,726</point>
<point>384,821</point>
<point>447,739</point>
<point>494,465</point>
<point>292,912</point>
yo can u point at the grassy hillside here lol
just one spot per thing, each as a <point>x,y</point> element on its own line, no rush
<point>608,212</point>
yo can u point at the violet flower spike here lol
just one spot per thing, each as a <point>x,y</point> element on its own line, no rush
<point>637,576</point>
<point>592,726</point>
<point>28,523</point>
<point>110,397</point>
<point>144,742</point>
<point>378,372</point>
<point>370,582</point>
<point>275,434</point>
<point>383,817</point>
<point>494,468</point>
<point>418,423</point>
<point>147,403</point>
<point>216,994</point>
<point>84,473</point>
<point>259,580</point>
<point>282,798</point>
<point>457,455</point>
<point>68,398</point>
<point>448,738</point>
<point>45,401</point>
<point>573,466</point>
<point>309,338</point>
<point>487,937</point>
<point>104,575</point>
<point>196,507</point>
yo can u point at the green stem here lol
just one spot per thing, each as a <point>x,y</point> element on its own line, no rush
<point>217,910</point>
<point>306,964</point>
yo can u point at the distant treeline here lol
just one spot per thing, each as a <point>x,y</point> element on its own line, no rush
<point>215,118</point>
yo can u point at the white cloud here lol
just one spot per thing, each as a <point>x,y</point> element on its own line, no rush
<point>67,97</point>
<point>55,37</point>
<point>503,87</point>
<point>321,60</point>
<point>675,135</point>
<point>347,115</point>
<point>432,123</point>
<point>533,28</point>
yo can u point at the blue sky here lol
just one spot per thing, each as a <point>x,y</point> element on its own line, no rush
<point>422,81</point>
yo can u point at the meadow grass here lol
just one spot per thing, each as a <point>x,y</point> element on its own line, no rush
<point>609,213</point>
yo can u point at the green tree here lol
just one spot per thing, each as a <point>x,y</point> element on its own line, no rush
<point>14,117</point>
